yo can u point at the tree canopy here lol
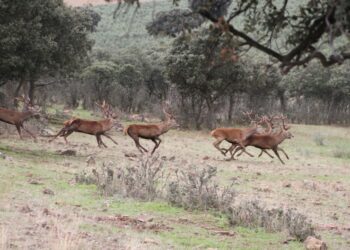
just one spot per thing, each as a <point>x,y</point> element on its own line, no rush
<point>290,32</point>
<point>41,37</point>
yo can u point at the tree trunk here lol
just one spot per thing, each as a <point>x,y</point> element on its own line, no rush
<point>210,121</point>
<point>282,98</point>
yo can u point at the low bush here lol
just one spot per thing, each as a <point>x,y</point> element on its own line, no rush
<point>319,139</point>
<point>253,214</point>
<point>196,189</point>
<point>341,152</point>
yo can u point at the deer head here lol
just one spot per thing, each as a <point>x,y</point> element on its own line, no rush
<point>285,128</point>
<point>27,106</point>
<point>170,119</point>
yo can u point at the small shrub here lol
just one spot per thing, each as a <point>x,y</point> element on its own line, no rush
<point>319,139</point>
<point>341,152</point>
<point>196,189</point>
<point>85,177</point>
<point>253,214</point>
<point>141,181</point>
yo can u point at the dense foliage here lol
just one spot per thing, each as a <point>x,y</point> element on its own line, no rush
<point>292,32</point>
<point>41,37</point>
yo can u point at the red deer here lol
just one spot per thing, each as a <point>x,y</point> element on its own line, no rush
<point>235,136</point>
<point>268,120</point>
<point>151,131</point>
<point>267,141</point>
<point>17,118</point>
<point>96,128</point>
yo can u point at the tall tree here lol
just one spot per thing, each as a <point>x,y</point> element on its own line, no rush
<point>41,37</point>
<point>203,67</point>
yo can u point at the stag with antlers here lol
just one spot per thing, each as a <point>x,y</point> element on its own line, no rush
<point>266,141</point>
<point>96,128</point>
<point>18,118</point>
<point>151,131</point>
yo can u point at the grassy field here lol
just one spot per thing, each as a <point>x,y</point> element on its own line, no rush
<point>315,181</point>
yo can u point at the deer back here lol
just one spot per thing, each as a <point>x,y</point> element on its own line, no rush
<point>89,127</point>
<point>14,117</point>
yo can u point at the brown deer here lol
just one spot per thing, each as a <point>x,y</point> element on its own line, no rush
<point>96,128</point>
<point>235,136</point>
<point>151,131</point>
<point>267,141</point>
<point>17,118</point>
<point>270,127</point>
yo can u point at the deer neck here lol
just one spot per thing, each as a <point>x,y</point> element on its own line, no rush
<point>280,137</point>
<point>164,126</point>
<point>26,115</point>
<point>109,123</point>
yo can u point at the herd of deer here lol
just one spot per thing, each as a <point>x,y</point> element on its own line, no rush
<point>256,135</point>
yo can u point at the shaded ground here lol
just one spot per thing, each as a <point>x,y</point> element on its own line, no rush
<point>316,181</point>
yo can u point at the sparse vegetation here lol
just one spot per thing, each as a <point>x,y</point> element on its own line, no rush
<point>254,214</point>
<point>341,152</point>
<point>319,139</point>
<point>196,188</point>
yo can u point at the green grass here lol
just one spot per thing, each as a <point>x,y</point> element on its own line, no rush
<point>40,161</point>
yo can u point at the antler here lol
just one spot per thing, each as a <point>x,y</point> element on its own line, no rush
<point>283,118</point>
<point>249,115</point>
<point>167,113</point>
<point>26,101</point>
<point>106,109</point>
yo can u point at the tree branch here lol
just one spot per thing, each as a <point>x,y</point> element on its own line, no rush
<point>292,58</point>
<point>248,39</point>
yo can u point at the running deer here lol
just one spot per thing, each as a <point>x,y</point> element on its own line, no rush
<point>265,119</point>
<point>96,128</point>
<point>235,136</point>
<point>151,131</point>
<point>17,118</point>
<point>268,141</point>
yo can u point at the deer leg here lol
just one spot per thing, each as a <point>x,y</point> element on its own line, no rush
<point>18,127</point>
<point>127,8</point>
<point>243,150</point>
<point>157,144</point>
<point>65,135</point>
<point>284,152</point>
<point>103,142</point>
<point>217,146</point>
<point>115,12</point>
<point>60,133</point>
<point>138,145</point>
<point>238,148</point>
<point>30,133</point>
<point>266,152</point>
<point>276,153</point>
<point>230,149</point>
<point>99,141</point>
<point>109,137</point>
